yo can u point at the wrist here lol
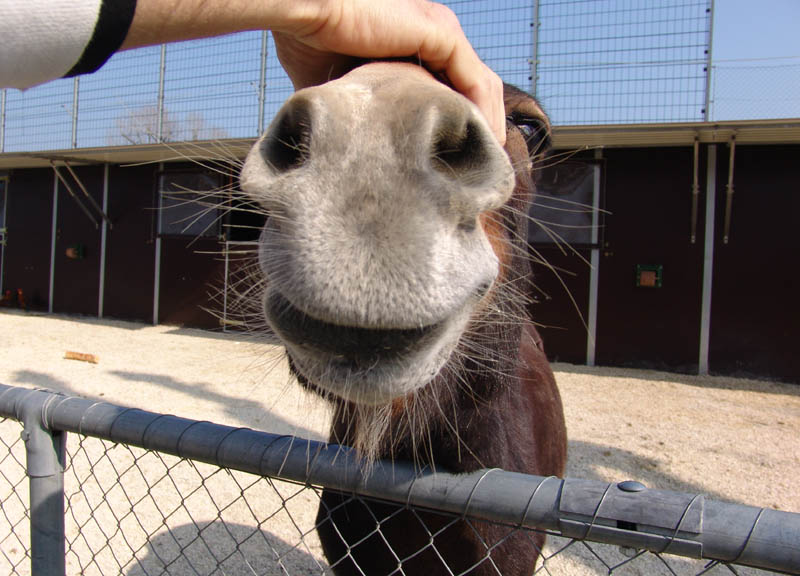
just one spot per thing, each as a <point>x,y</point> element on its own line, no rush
<point>299,17</point>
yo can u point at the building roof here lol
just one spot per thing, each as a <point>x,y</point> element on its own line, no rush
<point>220,150</point>
<point>564,137</point>
<point>678,134</point>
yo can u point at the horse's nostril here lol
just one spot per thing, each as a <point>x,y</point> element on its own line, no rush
<point>459,148</point>
<point>286,146</point>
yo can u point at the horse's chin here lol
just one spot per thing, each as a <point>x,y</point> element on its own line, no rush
<point>367,366</point>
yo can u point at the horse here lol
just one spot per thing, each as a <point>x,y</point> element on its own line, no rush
<point>397,277</point>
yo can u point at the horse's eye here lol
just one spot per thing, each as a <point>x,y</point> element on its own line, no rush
<point>535,132</point>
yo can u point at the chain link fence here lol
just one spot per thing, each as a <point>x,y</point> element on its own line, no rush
<point>143,493</point>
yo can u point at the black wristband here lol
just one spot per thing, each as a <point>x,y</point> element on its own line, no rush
<point>110,31</point>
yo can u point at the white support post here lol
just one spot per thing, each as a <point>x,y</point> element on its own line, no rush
<point>103,239</point>
<point>708,259</point>
<point>4,203</point>
<point>591,320</point>
<point>53,233</point>
<point>2,119</point>
<point>157,263</point>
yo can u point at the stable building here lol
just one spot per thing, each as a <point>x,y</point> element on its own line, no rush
<point>667,246</point>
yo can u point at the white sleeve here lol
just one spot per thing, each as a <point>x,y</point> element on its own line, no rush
<point>42,40</point>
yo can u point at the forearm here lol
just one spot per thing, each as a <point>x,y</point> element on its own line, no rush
<point>163,21</point>
<point>43,40</point>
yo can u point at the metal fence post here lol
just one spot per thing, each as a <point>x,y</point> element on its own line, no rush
<point>160,106</point>
<point>709,45</point>
<point>535,49</point>
<point>262,83</point>
<point>2,119</point>
<point>75,94</point>
<point>45,453</point>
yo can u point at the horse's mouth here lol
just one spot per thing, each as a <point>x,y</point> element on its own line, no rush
<point>361,364</point>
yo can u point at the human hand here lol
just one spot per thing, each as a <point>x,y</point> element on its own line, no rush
<point>342,33</point>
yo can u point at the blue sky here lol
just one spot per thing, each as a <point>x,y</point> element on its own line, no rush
<point>756,52</point>
<point>744,29</point>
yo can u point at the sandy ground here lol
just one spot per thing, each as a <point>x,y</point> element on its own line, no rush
<point>731,439</point>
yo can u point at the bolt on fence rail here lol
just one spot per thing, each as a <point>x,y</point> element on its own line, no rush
<point>132,509</point>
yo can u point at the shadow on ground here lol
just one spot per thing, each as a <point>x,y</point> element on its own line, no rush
<point>223,548</point>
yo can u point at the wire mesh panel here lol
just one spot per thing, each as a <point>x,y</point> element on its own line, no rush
<point>589,61</point>
<point>211,88</point>
<point>40,118</point>
<point>623,61</point>
<point>118,105</point>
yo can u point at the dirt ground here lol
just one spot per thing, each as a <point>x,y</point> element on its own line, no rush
<point>731,439</point>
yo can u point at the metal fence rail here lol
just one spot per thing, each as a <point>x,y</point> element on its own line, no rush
<point>136,492</point>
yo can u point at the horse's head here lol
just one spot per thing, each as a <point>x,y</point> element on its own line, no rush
<point>394,215</point>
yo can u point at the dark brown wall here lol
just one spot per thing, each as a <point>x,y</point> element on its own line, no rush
<point>648,196</point>
<point>755,316</point>
<point>29,217</point>
<point>192,263</point>
<point>130,244</point>
<point>562,306</point>
<point>192,270</point>
<point>76,286</point>
<point>560,236</point>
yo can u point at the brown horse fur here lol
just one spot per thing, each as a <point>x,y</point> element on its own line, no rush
<point>494,404</point>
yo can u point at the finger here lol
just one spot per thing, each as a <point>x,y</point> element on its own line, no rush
<point>454,56</point>
<point>486,91</point>
<point>478,83</point>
